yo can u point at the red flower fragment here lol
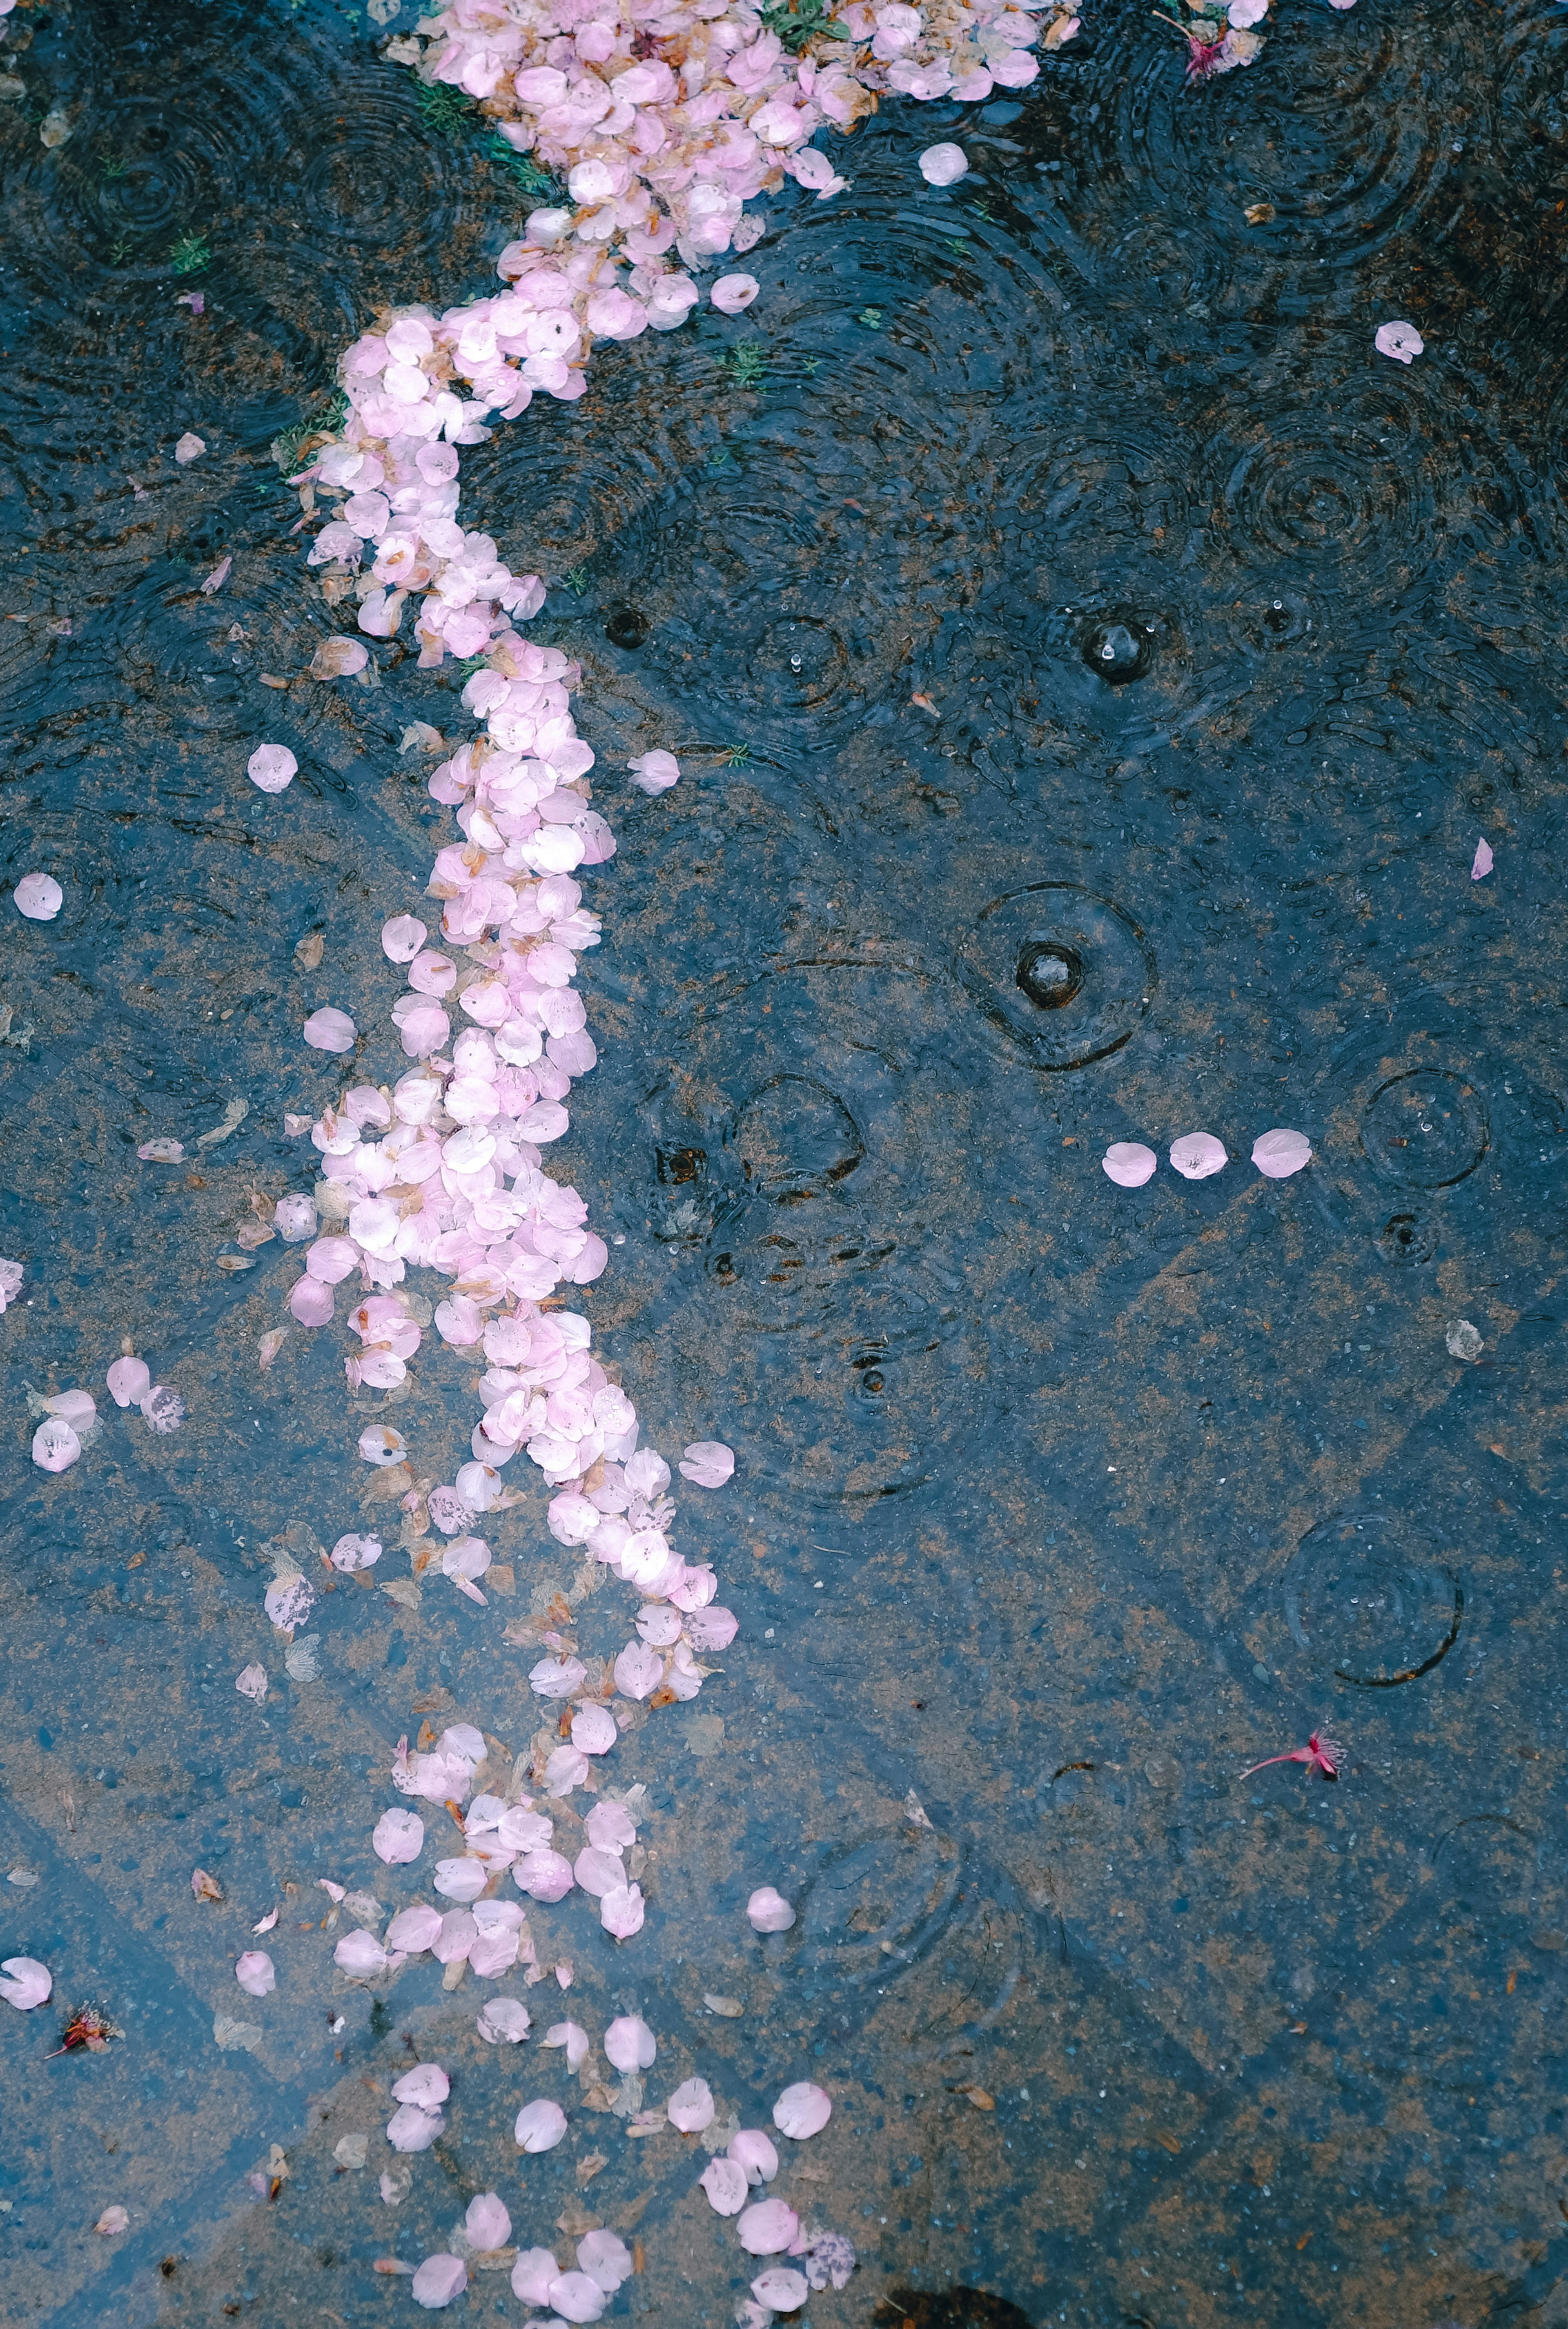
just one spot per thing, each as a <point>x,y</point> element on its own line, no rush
<point>1320,1750</point>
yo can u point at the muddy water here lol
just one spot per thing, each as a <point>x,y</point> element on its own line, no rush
<point>1056,1504</point>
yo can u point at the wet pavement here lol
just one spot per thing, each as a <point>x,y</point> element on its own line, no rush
<point>1056,1504</point>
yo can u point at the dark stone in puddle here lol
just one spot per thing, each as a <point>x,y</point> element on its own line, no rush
<point>625,626</point>
<point>1049,973</point>
<point>1117,652</point>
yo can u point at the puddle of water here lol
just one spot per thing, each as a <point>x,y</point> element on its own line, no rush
<point>1057,1505</point>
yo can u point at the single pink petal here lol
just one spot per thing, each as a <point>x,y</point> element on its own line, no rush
<point>576,2297</point>
<point>288,1601</point>
<point>360,1955</point>
<point>1484,861</point>
<point>943,166</point>
<point>330,1031</point>
<point>567,1768</point>
<point>113,2221</point>
<point>130,1381</point>
<point>768,1911</point>
<point>572,2037</point>
<point>754,2151</point>
<point>220,573</point>
<point>399,1838</point>
<point>250,1681</point>
<point>310,1300</point>
<point>427,2084</point>
<point>437,2281</point>
<point>267,1923</point>
<point>731,293</point>
<point>381,1445</point>
<point>532,2274</point>
<point>39,896</point>
<point>802,2110</point>
<point>725,2183</point>
<point>1403,342</point>
<point>768,2228</point>
<point>1128,1164</point>
<point>1197,1155</point>
<point>598,1872</point>
<point>339,657</point>
<point>504,2021</point>
<point>629,2044</point>
<point>190,447</point>
<point>611,1828</point>
<point>410,2128</point>
<point>542,1874</point>
<point>162,1152</point>
<point>638,1671</point>
<point>1281,1152</point>
<point>403,937</point>
<point>55,1445</point>
<point>655,773</point>
<point>414,1928</point>
<point>540,2125</point>
<point>707,1463</point>
<point>271,767</point>
<point>621,1911</point>
<point>604,2258</point>
<point>463,1878</point>
<point>691,2107</point>
<point>255,1973</point>
<point>782,2289</point>
<point>487,2222</point>
<point>593,1729</point>
<point>27,1983</point>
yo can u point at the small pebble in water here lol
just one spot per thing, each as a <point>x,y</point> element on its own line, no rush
<point>1117,653</point>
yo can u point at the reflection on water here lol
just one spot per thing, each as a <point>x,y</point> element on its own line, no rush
<point>1057,1505</point>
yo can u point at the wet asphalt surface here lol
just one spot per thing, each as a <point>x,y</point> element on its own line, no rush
<point>1056,1504</point>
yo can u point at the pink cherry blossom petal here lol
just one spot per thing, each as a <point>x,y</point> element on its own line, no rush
<point>488,2223</point>
<point>399,1838</point>
<point>731,293</point>
<point>55,1445</point>
<point>360,1955</point>
<point>1197,1155</point>
<point>255,1973</point>
<point>707,1463</point>
<point>1129,1164</point>
<point>768,1911</point>
<point>271,766</point>
<point>726,2184</point>
<point>943,166</point>
<point>605,2258</point>
<point>655,772</point>
<point>801,2111</point>
<point>427,2085</point>
<point>768,2228</point>
<point>39,896</point>
<point>403,937</point>
<point>621,1911</point>
<point>113,2221</point>
<point>1281,1152</point>
<point>503,2021</point>
<point>755,2152</point>
<point>691,2107</point>
<point>576,2297</point>
<point>412,2128</point>
<point>540,2125</point>
<point>629,2044</point>
<point>782,2289</point>
<point>1483,861</point>
<point>130,1381</point>
<point>1401,340</point>
<point>593,1729</point>
<point>250,1683</point>
<point>532,2274</point>
<point>437,2281</point>
<point>414,1928</point>
<point>330,1030</point>
<point>26,1983</point>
